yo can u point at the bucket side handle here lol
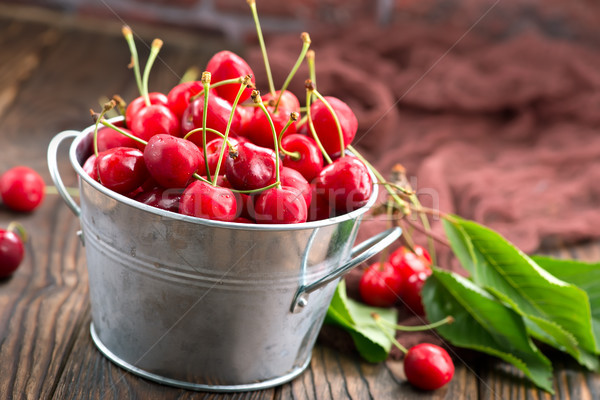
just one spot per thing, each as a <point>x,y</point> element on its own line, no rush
<point>53,167</point>
<point>360,253</point>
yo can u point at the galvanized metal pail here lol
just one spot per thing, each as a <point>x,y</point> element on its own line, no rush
<point>206,305</point>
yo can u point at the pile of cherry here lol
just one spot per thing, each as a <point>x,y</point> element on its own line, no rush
<point>230,154</point>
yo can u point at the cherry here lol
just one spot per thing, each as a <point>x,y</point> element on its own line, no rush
<point>326,127</point>
<point>292,178</point>
<point>153,120</point>
<point>283,205</point>
<point>245,202</point>
<point>380,285</point>
<point>428,366</point>
<point>179,97</point>
<point>203,200</point>
<point>346,183</point>
<point>22,189</point>
<point>411,294</point>
<point>309,161</point>
<point>288,102</point>
<point>418,259</point>
<point>109,138</point>
<point>122,169</point>
<point>171,161</point>
<point>11,252</point>
<point>90,167</point>
<point>258,129</point>
<point>251,167</point>
<point>213,151</point>
<point>217,117</point>
<point>414,269</point>
<point>319,208</point>
<point>165,199</point>
<point>226,65</point>
<point>136,105</point>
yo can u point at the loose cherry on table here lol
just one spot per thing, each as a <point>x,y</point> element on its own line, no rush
<point>22,189</point>
<point>414,268</point>
<point>12,252</point>
<point>172,161</point>
<point>122,169</point>
<point>326,127</point>
<point>380,285</point>
<point>217,118</point>
<point>203,200</point>
<point>428,367</point>
<point>284,205</point>
<point>226,65</point>
<point>306,158</point>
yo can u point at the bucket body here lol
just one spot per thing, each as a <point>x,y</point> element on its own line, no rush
<point>202,304</point>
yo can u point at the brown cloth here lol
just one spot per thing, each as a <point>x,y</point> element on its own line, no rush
<point>502,130</point>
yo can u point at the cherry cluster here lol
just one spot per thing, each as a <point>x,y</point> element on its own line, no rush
<point>217,149</point>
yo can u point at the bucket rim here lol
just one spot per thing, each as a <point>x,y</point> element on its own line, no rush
<point>207,222</point>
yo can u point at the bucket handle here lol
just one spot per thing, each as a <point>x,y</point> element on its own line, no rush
<point>360,253</point>
<point>55,174</point>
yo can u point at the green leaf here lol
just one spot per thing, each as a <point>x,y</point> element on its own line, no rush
<point>370,341</point>
<point>483,323</point>
<point>584,275</point>
<point>497,264</point>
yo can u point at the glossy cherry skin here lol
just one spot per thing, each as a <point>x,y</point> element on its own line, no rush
<point>414,269</point>
<point>138,103</point>
<point>310,161</point>
<point>283,205</point>
<point>292,178</point>
<point>11,252</point>
<point>213,151</point>
<point>122,169</point>
<point>217,117</point>
<point>258,129</point>
<point>109,138</point>
<point>325,124</point>
<point>90,167</point>
<point>380,285</point>
<point>252,167</point>
<point>178,99</point>
<point>319,208</point>
<point>227,65</point>
<point>288,102</point>
<point>346,184</point>
<point>171,161</point>
<point>165,199</point>
<point>22,189</point>
<point>428,367</point>
<point>411,294</point>
<point>154,120</point>
<point>203,200</point>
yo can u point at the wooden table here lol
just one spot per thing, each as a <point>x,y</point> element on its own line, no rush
<point>52,70</point>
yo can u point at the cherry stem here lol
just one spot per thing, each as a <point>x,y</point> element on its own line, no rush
<point>19,229</point>
<point>243,87</point>
<point>435,237</point>
<point>220,83</point>
<point>261,41</point>
<point>135,63</point>
<point>122,132</point>
<point>190,75</point>
<point>448,320</point>
<point>310,59</point>
<point>272,185</point>
<point>404,191</point>
<point>106,108</point>
<point>121,104</point>
<point>195,175</point>
<point>206,76</point>
<point>335,119</point>
<point>211,130</point>
<point>293,155</point>
<point>258,100</point>
<point>384,329</point>
<point>305,45</point>
<point>156,45</point>
<point>309,92</point>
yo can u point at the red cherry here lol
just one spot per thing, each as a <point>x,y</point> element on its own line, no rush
<point>217,117</point>
<point>109,138</point>
<point>90,167</point>
<point>346,184</point>
<point>22,189</point>
<point>288,101</point>
<point>310,161</point>
<point>253,167</point>
<point>280,206</point>
<point>428,367</point>
<point>213,151</point>
<point>136,105</point>
<point>171,161</point>
<point>411,294</point>
<point>380,285</point>
<point>227,65</point>
<point>154,120</point>
<point>204,200</point>
<point>11,252</point>
<point>165,199</point>
<point>325,124</point>
<point>292,178</point>
<point>242,220</point>
<point>178,98</point>
<point>122,169</point>
<point>319,208</point>
<point>258,130</point>
<point>408,263</point>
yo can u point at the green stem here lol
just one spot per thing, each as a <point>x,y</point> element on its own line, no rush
<point>263,49</point>
<point>217,84</point>
<point>305,45</point>
<point>105,108</point>
<point>206,84</point>
<point>211,130</point>
<point>293,155</point>
<point>156,45</point>
<point>122,132</point>
<point>135,63</point>
<point>336,120</point>
<point>311,127</point>
<point>256,98</point>
<point>383,328</point>
<point>195,175</point>
<point>448,320</point>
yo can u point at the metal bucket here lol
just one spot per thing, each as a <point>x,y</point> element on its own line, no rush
<point>201,304</point>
